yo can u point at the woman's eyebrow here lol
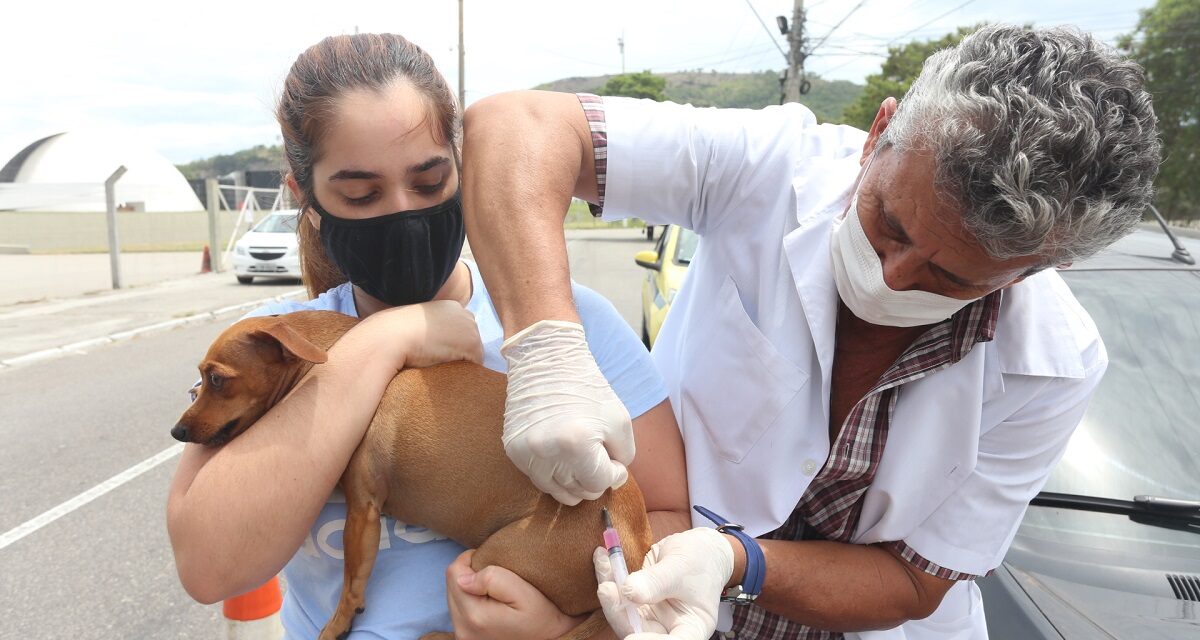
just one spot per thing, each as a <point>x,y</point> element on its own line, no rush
<point>428,164</point>
<point>353,174</point>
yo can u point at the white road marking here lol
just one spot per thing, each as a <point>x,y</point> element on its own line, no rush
<point>83,345</point>
<point>28,527</point>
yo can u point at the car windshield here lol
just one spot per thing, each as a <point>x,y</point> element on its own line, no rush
<point>1138,436</point>
<point>685,247</point>
<point>277,223</point>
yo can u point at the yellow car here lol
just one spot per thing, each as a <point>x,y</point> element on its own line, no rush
<point>666,266</point>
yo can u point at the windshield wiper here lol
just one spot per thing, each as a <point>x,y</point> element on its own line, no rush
<point>1168,513</point>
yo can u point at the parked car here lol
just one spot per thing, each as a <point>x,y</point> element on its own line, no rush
<point>269,250</point>
<point>1110,548</point>
<point>666,266</point>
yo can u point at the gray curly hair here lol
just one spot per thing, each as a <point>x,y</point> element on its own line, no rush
<point>1046,139</point>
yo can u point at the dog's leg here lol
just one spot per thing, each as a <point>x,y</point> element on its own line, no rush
<point>361,542</point>
<point>557,565</point>
<point>593,627</point>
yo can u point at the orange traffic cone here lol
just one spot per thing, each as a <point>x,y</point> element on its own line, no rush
<point>254,615</point>
<point>206,261</point>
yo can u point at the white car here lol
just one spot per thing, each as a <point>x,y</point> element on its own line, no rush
<point>269,250</point>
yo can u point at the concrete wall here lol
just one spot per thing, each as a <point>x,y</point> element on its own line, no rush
<point>45,232</point>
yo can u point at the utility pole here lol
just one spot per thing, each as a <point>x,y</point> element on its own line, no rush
<point>621,46</point>
<point>795,84</point>
<point>462,63</point>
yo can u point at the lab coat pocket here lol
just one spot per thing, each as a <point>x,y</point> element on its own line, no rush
<point>742,382</point>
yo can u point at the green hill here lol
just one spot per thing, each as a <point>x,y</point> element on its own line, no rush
<point>257,158</point>
<point>701,88</point>
<point>827,99</point>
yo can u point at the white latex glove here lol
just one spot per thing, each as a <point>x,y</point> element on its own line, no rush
<point>677,591</point>
<point>563,425</point>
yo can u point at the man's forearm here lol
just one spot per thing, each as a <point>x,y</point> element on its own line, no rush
<point>523,156</point>
<point>843,587</point>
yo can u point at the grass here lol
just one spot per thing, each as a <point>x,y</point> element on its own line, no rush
<point>128,248</point>
<point>580,217</point>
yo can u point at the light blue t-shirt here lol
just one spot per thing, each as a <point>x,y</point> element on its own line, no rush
<point>406,595</point>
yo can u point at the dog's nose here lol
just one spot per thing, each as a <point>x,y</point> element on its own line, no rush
<point>179,432</point>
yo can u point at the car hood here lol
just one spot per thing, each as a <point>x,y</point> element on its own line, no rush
<point>1080,610</point>
<point>258,238</point>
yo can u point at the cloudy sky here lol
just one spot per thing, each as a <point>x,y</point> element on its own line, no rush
<point>196,79</point>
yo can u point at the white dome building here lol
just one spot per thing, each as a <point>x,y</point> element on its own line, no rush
<point>66,172</point>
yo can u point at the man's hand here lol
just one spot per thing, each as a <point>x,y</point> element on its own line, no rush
<point>497,603</point>
<point>676,592</point>
<point>563,425</point>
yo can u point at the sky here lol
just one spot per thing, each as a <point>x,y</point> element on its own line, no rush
<point>197,79</point>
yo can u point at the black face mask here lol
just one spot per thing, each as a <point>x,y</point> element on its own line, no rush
<point>398,258</point>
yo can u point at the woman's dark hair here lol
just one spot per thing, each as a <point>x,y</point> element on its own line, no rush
<point>323,74</point>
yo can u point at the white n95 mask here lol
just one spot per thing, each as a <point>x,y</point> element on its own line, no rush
<point>858,273</point>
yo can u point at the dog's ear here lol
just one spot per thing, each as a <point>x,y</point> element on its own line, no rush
<point>290,342</point>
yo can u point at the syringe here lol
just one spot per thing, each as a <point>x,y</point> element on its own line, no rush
<point>620,570</point>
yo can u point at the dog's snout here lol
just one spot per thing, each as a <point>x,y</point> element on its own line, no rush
<point>180,432</point>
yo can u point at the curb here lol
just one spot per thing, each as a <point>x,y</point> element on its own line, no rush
<point>83,345</point>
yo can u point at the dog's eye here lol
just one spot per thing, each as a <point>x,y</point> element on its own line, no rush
<point>216,381</point>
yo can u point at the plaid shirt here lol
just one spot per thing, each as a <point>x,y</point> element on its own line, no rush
<point>831,506</point>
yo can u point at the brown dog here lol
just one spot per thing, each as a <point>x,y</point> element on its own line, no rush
<point>432,456</point>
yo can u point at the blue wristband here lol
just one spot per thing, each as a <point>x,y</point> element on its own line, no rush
<point>756,564</point>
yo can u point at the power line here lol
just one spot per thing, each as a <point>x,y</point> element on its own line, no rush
<point>840,22</point>
<point>720,58</point>
<point>767,29</point>
<point>901,37</point>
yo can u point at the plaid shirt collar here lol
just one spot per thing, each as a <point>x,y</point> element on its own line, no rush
<point>833,501</point>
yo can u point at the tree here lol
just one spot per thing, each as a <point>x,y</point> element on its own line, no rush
<point>636,85</point>
<point>1166,46</point>
<point>901,68</point>
<point>259,157</point>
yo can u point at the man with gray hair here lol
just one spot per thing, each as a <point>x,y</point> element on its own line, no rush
<point>873,362</point>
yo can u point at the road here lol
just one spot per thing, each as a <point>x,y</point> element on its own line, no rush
<point>104,569</point>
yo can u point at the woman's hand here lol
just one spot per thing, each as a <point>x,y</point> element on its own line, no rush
<point>422,335</point>
<point>497,603</point>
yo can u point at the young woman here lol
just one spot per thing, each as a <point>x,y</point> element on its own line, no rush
<point>370,129</point>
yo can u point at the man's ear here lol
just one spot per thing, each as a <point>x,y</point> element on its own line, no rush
<point>289,342</point>
<point>883,117</point>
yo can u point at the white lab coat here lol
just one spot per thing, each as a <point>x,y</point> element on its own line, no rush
<point>747,349</point>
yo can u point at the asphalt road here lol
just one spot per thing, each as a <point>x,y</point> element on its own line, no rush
<point>104,569</point>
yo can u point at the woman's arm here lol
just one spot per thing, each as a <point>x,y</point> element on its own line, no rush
<point>661,471</point>
<point>237,513</point>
